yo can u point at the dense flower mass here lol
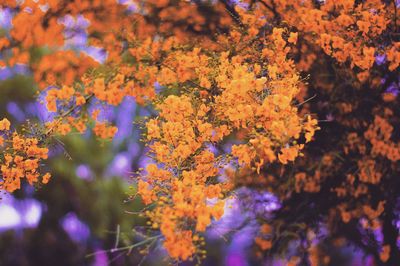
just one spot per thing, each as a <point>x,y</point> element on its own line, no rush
<point>20,160</point>
<point>229,96</point>
<point>236,88</point>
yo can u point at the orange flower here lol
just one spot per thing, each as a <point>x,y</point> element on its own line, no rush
<point>5,124</point>
<point>293,37</point>
<point>263,244</point>
<point>385,253</point>
<point>46,178</point>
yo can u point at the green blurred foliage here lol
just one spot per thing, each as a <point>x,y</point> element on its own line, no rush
<point>101,202</point>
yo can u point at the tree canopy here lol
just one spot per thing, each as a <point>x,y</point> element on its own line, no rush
<point>298,99</point>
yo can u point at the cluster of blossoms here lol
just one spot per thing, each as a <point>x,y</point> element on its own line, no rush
<point>229,97</point>
<point>21,159</point>
<point>347,31</point>
<point>348,173</point>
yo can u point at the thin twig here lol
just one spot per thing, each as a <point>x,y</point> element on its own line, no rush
<point>150,239</point>
<point>309,99</point>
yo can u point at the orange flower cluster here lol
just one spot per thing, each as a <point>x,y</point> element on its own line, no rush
<point>55,64</point>
<point>379,134</point>
<point>104,131</point>
<point>348,171</point>
<point>345,30</point>
<point>227,95</point>
<point>186,189</point>
<point>21,158</point>
<point>42,30</point>
<point>263,240</point>
<point>272,112</point>
<point>61,67</point>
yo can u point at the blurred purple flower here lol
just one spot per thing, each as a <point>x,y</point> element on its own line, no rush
<point>121,165</point>
<point>124,117</point>
<point>100,259</point>
<point>134,148</point>
<point>380,59</point>
<point>131,6</point>
<point>15,111</point>
<point>329,117</point>
<point>10,217</point>
<point>76,229</point>
<point>5,18</point>
<point>5,73</point>
<point>83,171</point>
<point>78,23</point>
<point>260,203</point>
<point>232,219</point>
<point>145,160</point>
<point>97,53</point>
<point>19,214</point>
<point>378,235</point>
<point>240,213</point>
<point>21,69</point>
<point>75,31</point>
<point>77,40</point>
<point>235,259</point>
<point>241,224</point>
<point>30,211</point>
<point>244,237</point>
<point>241,3</point>
<point>241,241</point>
<point>18,69</point>
<point>107,113</point>
<point>393,89</point>
<point>76,37</point>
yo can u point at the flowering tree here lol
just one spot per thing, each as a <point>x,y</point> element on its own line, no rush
<point>235,88</point>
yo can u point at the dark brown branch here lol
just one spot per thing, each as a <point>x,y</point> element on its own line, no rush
<point>232,12</point>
